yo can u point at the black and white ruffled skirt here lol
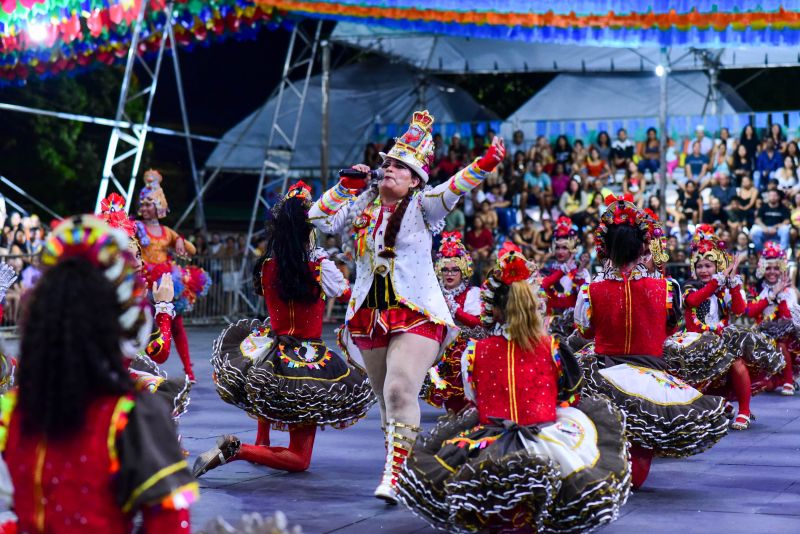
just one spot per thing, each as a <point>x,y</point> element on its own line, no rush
<point>148,376</point>
<point>572,475</point>
<point>288,381</point>
<point>662,412</point>
<point>703,360</point>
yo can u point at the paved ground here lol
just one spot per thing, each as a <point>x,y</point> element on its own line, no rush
<point>748,483</point>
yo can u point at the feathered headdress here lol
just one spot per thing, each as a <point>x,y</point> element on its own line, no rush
<point>511,266</point>
<point>112,211</point>
<point>89,237</point>
<point>300,190</point>
<point>771,254</point>
<point>619,210</point>
<point>565,231</point>
<point>453,250</point>
<point>707,246</point>
<point>152,192</point>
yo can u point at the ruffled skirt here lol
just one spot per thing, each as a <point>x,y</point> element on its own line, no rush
<point>148,376</point>
<point>703,360</point>
<point>562,325</point>
<point>569,476</point>
<point>443,383</point>
<point>662,412</point>
<point>288,381</point>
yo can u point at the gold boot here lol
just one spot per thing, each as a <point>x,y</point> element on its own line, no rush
<point>399,440</point>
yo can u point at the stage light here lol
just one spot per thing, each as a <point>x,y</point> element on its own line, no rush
<point>660,71</point>
<point>37,32</point>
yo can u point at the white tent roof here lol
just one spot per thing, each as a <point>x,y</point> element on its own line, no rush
<point>361,96</point>
<point>445,54</point>
<point>597,98</point>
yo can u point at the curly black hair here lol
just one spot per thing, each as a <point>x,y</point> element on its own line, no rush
<point>289,233</point>
<point>70,350</point>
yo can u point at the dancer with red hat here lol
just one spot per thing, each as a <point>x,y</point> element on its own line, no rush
<point>397,317</point>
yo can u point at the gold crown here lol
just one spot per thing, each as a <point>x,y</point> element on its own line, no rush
<point>423,119</point>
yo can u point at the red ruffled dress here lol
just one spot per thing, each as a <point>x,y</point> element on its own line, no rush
<point>517,460</point>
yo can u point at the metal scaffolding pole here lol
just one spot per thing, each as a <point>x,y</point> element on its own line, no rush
<point>199,214</point>
<point>300,58</point>
<point>133,139</point>
<point>663,73</point>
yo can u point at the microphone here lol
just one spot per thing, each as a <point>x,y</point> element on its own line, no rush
<point>373,175</point>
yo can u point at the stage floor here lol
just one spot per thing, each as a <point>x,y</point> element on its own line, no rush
<point>748,483</point>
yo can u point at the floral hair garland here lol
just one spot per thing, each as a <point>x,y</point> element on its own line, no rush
<point>619,210</point>
<point>771,253</point>
<point>511,266</point>
<point>565,231</point>
<point>452,249</point>
<point>707,246</point>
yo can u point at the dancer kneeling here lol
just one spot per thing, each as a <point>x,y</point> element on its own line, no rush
<point>630,313</point>
<point>282,373</point>
<point>519,461</point>
<point>714,355</point>
<point>775,309</point>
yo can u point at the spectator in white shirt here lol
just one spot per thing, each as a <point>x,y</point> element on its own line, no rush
<point>700,137</point>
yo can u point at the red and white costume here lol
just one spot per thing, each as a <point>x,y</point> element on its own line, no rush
<point>517,459</point>
<point>564,282</point>
<point>630,313</point>
<point>444,385</point>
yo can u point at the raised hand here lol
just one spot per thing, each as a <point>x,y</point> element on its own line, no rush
<point>493,156</point>
<point>164,289</point>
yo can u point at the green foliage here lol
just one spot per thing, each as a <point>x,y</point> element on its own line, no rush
<point>58,161</point>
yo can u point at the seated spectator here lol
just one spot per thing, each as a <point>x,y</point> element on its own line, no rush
<point>479,240</point>
<point>455,221</point>
<point>579,151</point>
<point>371,156</point>
<point>772,222</point>
<point>559,181</point>
<point>671,157</point>
<point>517,166</point>
<point>786,175</point>
<point>545,236</point>
<point>793,152</point>
<point>689,202</point>
<point>706,144</point>
<point>596,166</point>
<point>439,150</point>
<point>719,164</point>
<point>447,167</point>
<point>525,237</point>
<point>742,209</point>
<point>742,163</point>
<point>597,188</point>
<point>603,146</point>
<point>634,183</point>
<point>540,187</point>
<point>714,214</point>
<point>750,141</point>
<point>777,137</point>
<point>726,141</point>
<point>461,149</point>
<point>696,167</point>
<point>488,217</point>
<point>621,150</point>
<point>518,143</point>
<point>767,163</point>
<point>650,153</point>
<point>563,152</point>
<point>723,190</point>
<point>574,201</point>
<point>478,146</point>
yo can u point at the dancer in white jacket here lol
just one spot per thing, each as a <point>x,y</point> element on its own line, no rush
<point>397,316</point>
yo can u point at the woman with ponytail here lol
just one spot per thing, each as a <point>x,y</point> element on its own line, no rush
<point>630,310</point>
<point>519,461</point>
<point>281,372</point>
<point>397,316</point>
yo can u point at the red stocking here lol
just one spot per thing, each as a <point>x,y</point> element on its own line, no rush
<point>740,380</point>
<point>262,438</point>
<point>640,465</point>
<point>166,521</point>
<point>295,458</point>
<point>788,376</point>
<point>182,344</point>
